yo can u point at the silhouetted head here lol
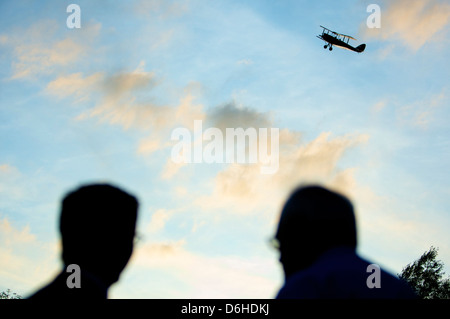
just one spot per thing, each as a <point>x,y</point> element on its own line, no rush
<point>313,221</point>
<point>97,227</point>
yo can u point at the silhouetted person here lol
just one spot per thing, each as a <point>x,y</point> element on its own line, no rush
<point>317,240</point>
<point>97,227</point>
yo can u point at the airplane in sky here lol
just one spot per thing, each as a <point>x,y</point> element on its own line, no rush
<point>341,40</point>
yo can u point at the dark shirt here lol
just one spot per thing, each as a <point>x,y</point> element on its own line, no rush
<point>341,273</point>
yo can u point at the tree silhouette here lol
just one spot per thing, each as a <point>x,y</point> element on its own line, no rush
<point>425,276</point>
<point>8,294</point>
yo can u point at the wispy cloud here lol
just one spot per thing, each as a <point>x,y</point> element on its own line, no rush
<point>245,62</point>
<point>379,106</point>
<point>10,179</point>
<point>244,189</point>
<point>15,236</point>
<point>158,220</point>
<point>39,51</point>
<point>24,260</point>
<point>118,103</point>
<point>421,114</point>
<point>74,85</point>
<point>412,22</point>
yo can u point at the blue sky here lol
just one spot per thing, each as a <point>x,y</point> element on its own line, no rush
<point>99,104</point>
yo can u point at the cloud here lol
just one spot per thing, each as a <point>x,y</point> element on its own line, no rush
<point>317,160</point>
<point>74,85</point>
<point>15,236</point>
<point>161,8</point>
<point>3,39</point>
<point>379,106</point>
<point>25,262</point>
<point>149,145</point>
<point>6,169</point>
<point>124,83</point>
<point>243,189</point>
<point>170,169</point>
<point>412,22</point>
<point>187,111</point>
<point>119,103</point>
<point>32,60</point>
<point>202,276</point>
<point>39,50</point>
<point>420,114</point>
<point>158,220</point>
<point>245,62</point>
<point>125,99</point>
<point>155,250</point>
<point>10,179</point>
<point>234,115</point>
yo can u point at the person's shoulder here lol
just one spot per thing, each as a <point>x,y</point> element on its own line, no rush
<point>343,274</point>
<point>58,289</point>
<point>50,291</point>
<point>303,284</point>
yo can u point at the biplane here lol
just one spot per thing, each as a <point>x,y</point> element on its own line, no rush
<point>341,40</point>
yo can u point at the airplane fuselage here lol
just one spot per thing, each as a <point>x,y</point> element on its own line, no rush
<point>335,41</point>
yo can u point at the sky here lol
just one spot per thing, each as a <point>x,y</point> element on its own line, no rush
<point>99,103</point>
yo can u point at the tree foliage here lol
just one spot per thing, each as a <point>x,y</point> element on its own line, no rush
<point>426,276</point>
<point>8,294</point>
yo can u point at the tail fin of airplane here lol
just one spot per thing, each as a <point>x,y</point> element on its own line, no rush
<point>360,48</point>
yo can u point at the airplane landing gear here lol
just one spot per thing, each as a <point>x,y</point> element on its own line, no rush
<point>325,46</point>
<point>331,49</point>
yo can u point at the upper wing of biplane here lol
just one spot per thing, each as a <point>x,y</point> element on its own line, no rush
<point>336,33</point>
<point>345,36</point>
